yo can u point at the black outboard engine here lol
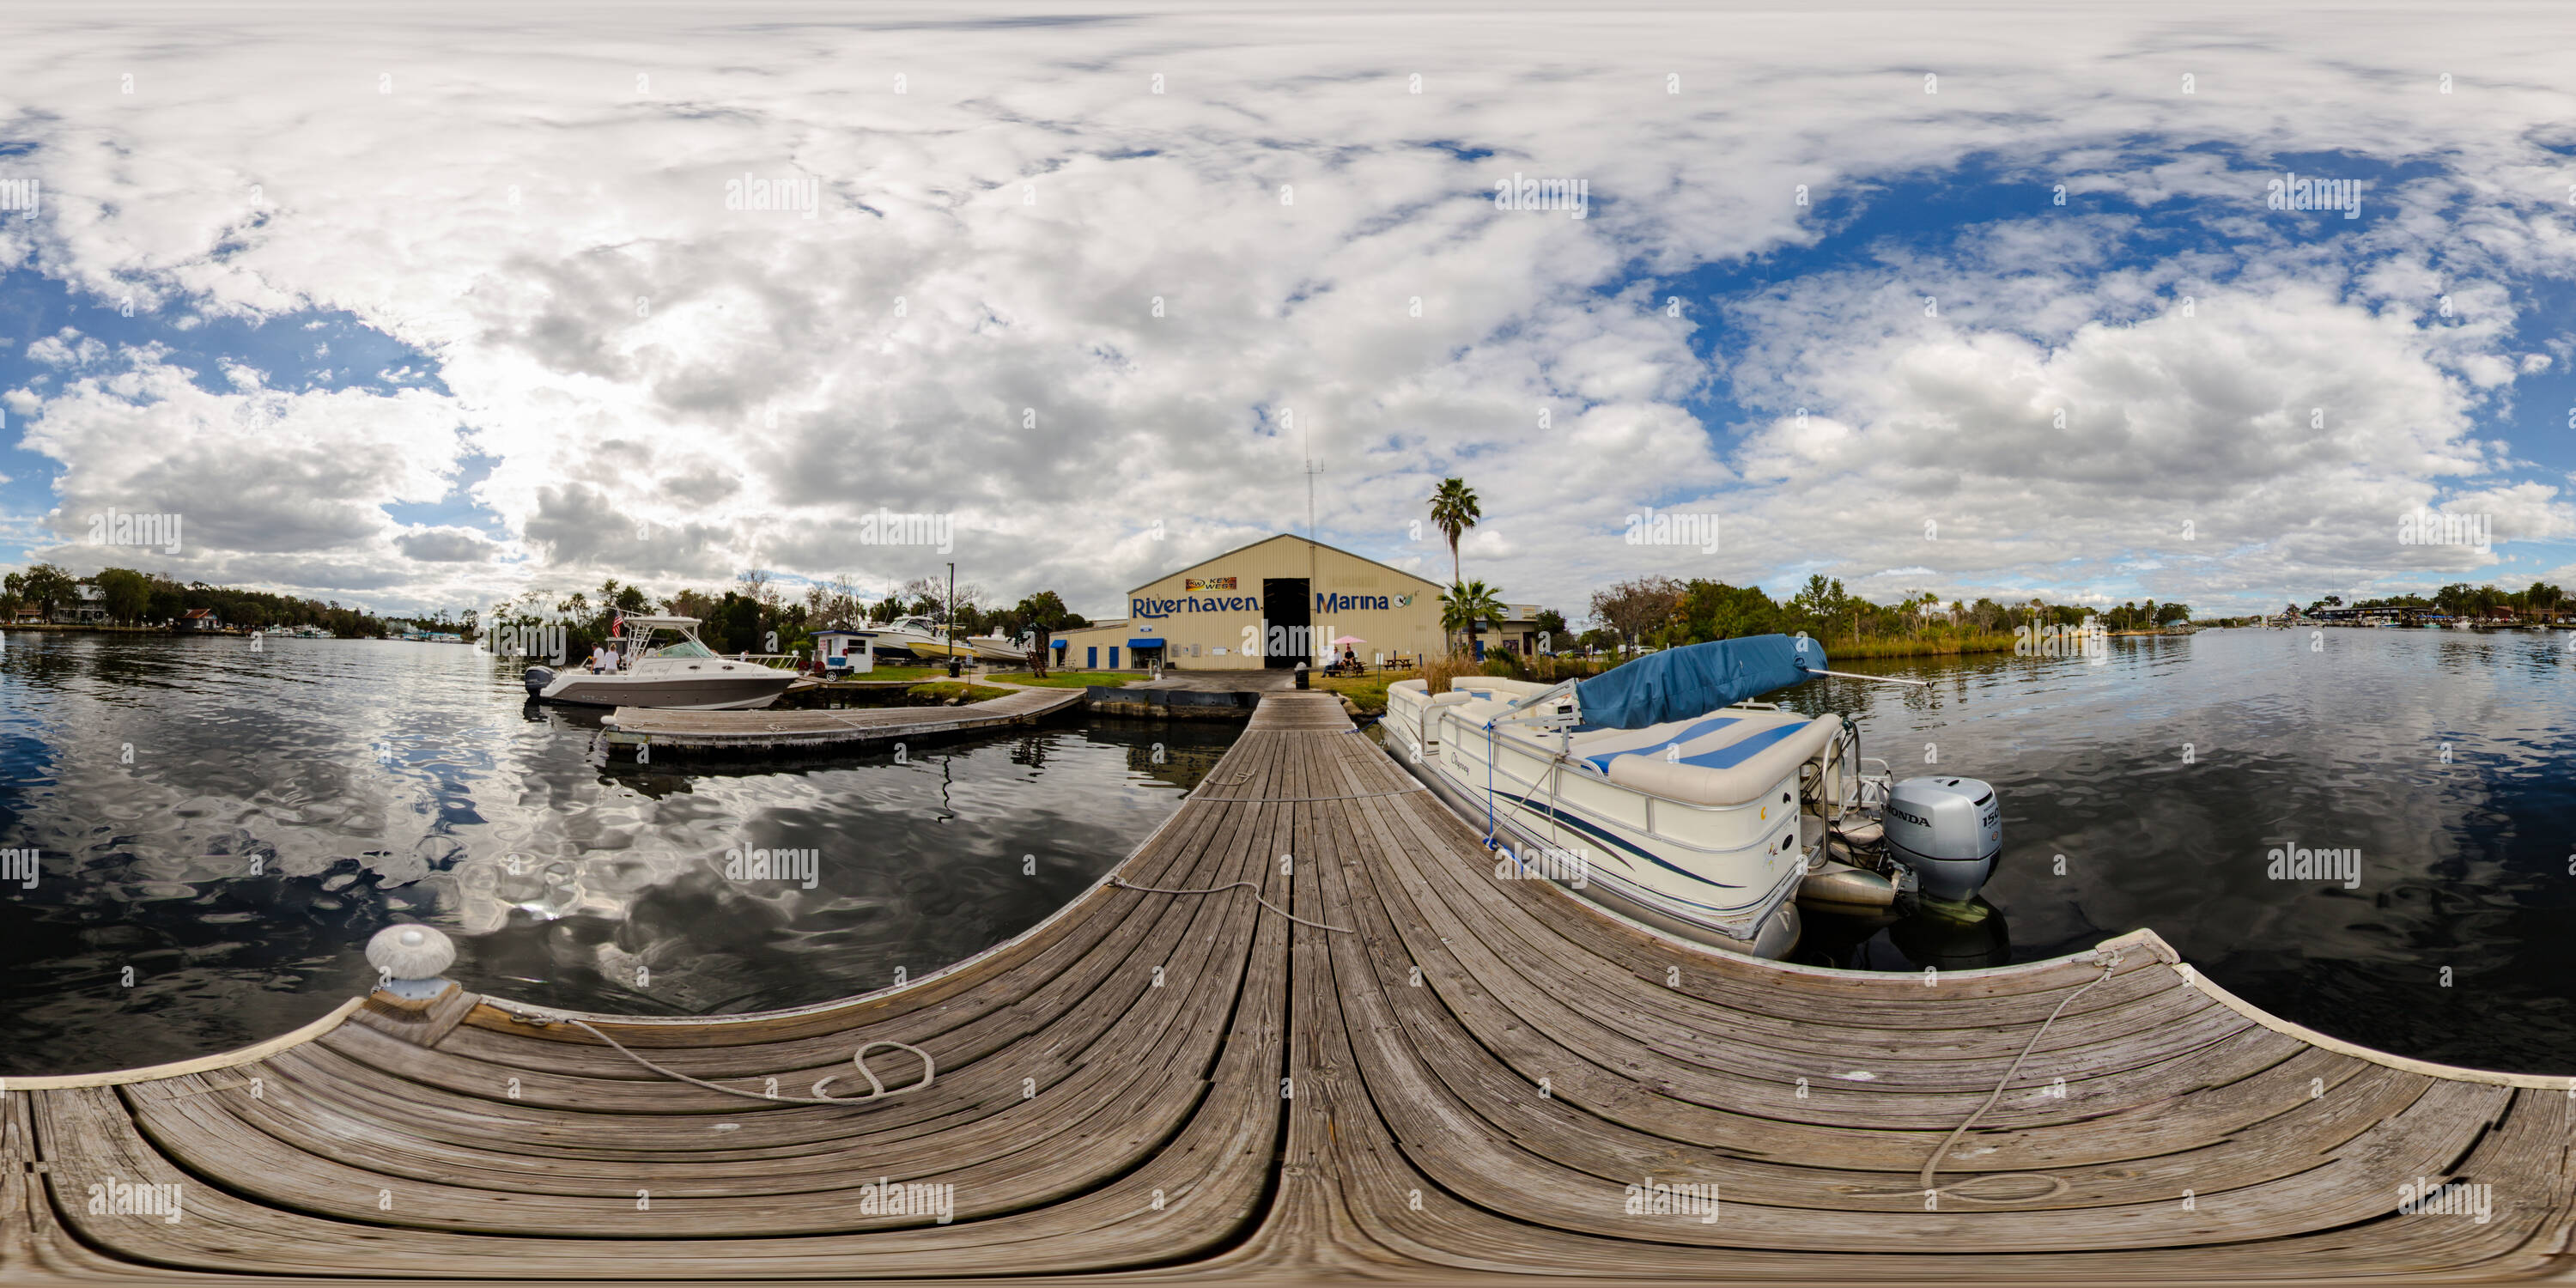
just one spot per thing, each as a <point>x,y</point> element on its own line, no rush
<point>1948,831</point>
<point>538,678</point>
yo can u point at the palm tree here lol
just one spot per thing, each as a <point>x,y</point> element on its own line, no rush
<point>1466,603</point>
<point>1453,511</point>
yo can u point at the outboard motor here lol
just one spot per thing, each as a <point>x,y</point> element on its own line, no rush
<point>1948,831</point>
<point>538,678</point>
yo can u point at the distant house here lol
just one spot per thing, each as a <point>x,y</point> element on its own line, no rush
<point>1519,633</point>
<point>90,608</point>
<point>200,619</point>
<point>27,617</point>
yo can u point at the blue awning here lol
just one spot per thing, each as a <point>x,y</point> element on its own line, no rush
<point>1696,679</point>
<point>1144,642</point>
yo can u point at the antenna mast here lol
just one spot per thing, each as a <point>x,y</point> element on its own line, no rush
<point>1312,469</point>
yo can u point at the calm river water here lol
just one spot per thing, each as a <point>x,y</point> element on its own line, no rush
<point>231,826</point>
<point>367,782</point>
<point>2167,773</point>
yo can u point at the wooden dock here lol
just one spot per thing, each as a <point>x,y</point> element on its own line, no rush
<point>1469,1080</point>
<point>775,730</point>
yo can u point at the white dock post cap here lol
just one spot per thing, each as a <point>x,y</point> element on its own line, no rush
<point>411,954</point>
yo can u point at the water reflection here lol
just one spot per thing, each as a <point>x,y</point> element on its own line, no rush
<point>233,825</point>
<point>2150,789</point>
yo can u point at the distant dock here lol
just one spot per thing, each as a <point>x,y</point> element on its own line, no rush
<point>650,731</point>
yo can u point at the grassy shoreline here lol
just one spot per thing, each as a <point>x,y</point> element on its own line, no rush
<point>1940,646</point>
<point>1071,679</point>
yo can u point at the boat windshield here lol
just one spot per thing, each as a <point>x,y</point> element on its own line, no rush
<point>685,648</point>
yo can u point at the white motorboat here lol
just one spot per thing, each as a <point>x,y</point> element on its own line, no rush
<point>994,648</point>
<point>1663,792</point>
<point>682,674</point>
<point>917,639</point>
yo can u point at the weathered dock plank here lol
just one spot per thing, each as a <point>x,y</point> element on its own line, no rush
<point>1460,1077</point>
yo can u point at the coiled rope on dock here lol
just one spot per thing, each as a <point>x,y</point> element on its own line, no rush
<point>877,1090</point>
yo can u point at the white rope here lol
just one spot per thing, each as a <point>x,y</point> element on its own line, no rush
<point>1125,884</point>
<point>876,1090</point>
<point>2056,1184</point>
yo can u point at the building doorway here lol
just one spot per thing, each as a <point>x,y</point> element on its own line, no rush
<point>1289,615</point>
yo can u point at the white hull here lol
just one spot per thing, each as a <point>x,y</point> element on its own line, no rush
<point>1715,870</point>
<point>751,688</point>
<point>911,638</point>
<point>993,648</point>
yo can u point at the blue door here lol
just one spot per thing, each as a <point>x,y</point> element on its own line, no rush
<point>1091,658</point>
<point>1113,657</point>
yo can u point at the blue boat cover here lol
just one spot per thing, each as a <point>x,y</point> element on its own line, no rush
<point>1691,681</point>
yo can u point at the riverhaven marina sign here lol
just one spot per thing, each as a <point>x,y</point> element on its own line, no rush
<point>1147,609</point>
<point>1218,613</point>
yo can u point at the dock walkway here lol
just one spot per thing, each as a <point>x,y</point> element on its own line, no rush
<point>686,731</point>
<point>1470,1078</point>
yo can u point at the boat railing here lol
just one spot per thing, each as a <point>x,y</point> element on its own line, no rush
<point>1560,764</point>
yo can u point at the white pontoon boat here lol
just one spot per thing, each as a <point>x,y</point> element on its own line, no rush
<point>1662,791</point>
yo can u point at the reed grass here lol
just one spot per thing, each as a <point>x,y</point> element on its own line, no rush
<point>1944,645</point>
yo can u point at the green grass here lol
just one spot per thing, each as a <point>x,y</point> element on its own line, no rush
<point>1058,679</point>
<point>1929,646</point>
<point>1367,692</point>
<point>903,673</point>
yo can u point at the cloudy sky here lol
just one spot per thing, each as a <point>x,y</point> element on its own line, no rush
<point>420,308</point>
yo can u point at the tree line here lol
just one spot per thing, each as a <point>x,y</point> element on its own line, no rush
<point>2539,600</point>
<point>1662,612</point>
<point>131,598</point>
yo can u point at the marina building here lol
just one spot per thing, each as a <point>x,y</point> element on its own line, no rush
<point>1274,603</point>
